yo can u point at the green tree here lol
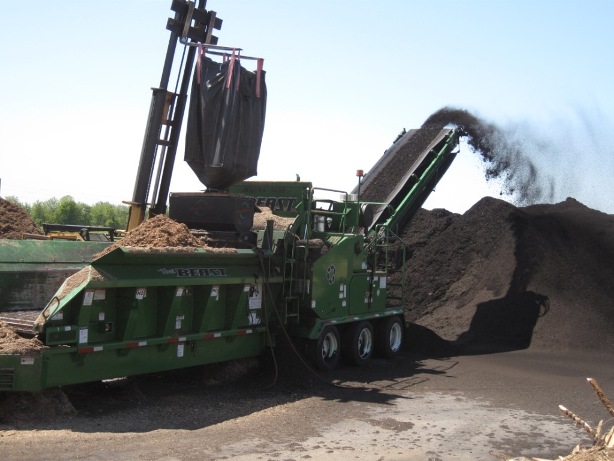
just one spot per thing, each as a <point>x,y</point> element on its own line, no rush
<point>68,212</point>
<point>42,212</point>
<point>106,214</point>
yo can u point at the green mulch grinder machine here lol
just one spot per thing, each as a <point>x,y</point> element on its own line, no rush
<point>317,269</point>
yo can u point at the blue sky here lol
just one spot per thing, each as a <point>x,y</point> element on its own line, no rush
<point>344,78</point>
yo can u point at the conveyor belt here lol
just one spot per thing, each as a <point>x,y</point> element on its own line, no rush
<point>389,179</point>
<point>398,163</point>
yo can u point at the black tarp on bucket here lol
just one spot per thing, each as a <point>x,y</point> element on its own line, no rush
<point>225,122</point>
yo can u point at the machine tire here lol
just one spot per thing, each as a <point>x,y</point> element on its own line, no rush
<point>325,352</point>
<point>389,336</point>
<point>358,343</point>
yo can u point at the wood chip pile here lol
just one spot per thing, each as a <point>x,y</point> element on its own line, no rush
<point>12,343</point>
<point>279,222</point>
<point>161,233</point>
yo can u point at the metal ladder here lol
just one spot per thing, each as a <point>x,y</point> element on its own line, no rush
<point>391,264</point>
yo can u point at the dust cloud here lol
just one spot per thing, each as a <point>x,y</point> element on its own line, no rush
<point>541,163</point>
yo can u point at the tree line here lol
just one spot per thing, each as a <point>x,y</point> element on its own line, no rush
<point>68,211</point>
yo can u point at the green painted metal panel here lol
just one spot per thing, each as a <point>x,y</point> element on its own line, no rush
<point>21,373</point>
<point>55,367</point>
<point>98,315</point>
<point>313,331</point>
<point>137,313</point>
<point>285,198</point>
<point>210,307</point>
<point>31,271</point>
<point>359,294</point>
<point>332,275</point>
<point>175,310</point>
<point>47,253</point>
<point>124,267</point>
<point>65,335</point>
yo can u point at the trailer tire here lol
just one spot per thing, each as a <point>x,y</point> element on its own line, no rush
<point>325,351</point>
<point>389,336</point>
<point>358,343</point>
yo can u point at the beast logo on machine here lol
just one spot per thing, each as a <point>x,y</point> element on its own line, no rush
<point>195,272</point>
<point>202,272</point>
<point>277,203</point>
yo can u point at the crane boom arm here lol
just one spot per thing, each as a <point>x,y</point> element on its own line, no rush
<point>191,25</point>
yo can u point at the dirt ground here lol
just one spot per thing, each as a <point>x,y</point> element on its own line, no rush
<point>471,407</point>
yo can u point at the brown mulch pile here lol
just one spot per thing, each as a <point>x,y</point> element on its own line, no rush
<point>513,277</point>
<point>12,343</point>
<point>159,232</point>
<point>14,221</point>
